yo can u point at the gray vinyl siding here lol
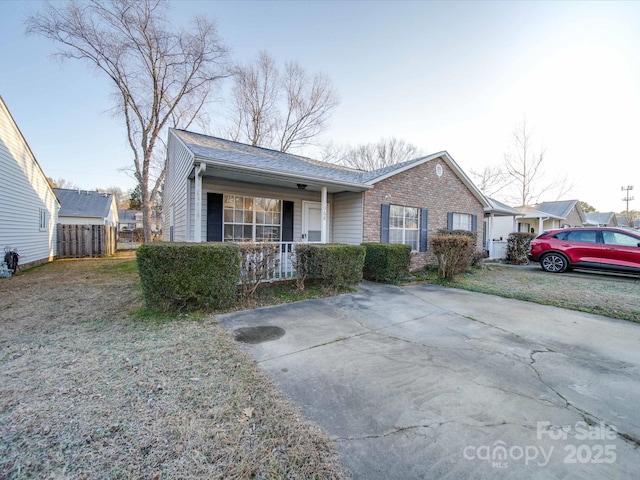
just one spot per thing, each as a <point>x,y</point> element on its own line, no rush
<point>176,189</point>
<point>210,185</point>
<point>24,193</point>
<point>347,218</point>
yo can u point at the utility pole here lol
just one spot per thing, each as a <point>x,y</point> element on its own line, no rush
<point>627,199</point>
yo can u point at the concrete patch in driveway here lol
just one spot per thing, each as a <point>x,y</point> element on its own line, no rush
<point>427,382</point>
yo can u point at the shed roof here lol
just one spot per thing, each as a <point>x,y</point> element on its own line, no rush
<point>83,203</point>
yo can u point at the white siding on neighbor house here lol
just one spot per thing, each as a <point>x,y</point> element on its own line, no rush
<point>24,194</point>
<point>502,227</point>
<point>176,188</point>
<point>347,218</point>
<point>211,185</point>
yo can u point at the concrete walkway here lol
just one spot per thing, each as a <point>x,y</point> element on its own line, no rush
<point>429,382</point>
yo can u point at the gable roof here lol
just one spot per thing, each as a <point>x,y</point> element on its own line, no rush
<point>560,209</point>
<point>241,156</point>
<point>83,203</point>
<point>599,218</point>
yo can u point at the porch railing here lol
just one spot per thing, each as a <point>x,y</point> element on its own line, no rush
<point>286,269</point>
<point>284,260</point>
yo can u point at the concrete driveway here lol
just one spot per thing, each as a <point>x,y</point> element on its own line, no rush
<point>429,382</point>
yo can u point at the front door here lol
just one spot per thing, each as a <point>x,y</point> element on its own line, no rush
<point>312,222</point>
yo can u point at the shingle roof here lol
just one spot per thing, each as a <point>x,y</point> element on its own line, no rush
<point>599,218</point>
<point>560,209</point>
<point>242,155</point>
<point>248,157</point>
<point>83,203</point>
<point>499,207</point>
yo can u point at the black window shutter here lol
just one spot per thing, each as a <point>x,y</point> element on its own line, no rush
<point>450,221</point>
<point>474,223</point>
<point>384,223</point>
<point>287,221</point>
<point>214,217</point>
<point>424,216</point>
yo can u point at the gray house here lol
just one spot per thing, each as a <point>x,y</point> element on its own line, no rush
<point>219,190</point>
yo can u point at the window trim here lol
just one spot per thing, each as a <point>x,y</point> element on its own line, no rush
<point>253,223</point>
<point>404,229</point>
<point>42,220</point>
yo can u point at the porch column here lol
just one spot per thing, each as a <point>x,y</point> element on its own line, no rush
<point>489,235</point>
<point>197,227</point>
<point>323,216</point>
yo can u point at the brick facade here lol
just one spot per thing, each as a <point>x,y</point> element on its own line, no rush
<point>421,187</point>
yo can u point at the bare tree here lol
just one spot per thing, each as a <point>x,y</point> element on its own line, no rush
<point>524,167</point>
<point>118,194</point>
<point>280,110</point>
<point>162,78</point>
<point>255,98</point>
<point>371,156</point>
<point>62,183</point>
<point>491,180</point>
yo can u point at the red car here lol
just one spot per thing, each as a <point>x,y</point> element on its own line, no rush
<point>606,248</point>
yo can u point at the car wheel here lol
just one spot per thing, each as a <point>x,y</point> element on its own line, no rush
<point>554,263</point>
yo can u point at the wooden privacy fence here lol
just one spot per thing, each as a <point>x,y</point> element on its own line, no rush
<point>76,241</point>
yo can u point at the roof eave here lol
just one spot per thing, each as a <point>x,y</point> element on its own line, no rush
<point>297,178</point>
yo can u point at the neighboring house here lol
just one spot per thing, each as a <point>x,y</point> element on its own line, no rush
<point>219,190</point>
<point>130,224</point>
<point>607,219</point>
<point>28,205</point>
<point>86,207</point>
<point>500,220</point>
<point>129,220</point>
<point>550,215</point>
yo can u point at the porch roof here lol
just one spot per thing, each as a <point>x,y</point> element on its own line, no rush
<point>237,161</point>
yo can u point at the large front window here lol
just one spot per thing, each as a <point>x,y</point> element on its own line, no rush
<point>252,219</point>
<point>403,226</point>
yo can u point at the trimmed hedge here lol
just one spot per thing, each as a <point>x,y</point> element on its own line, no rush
<point>179,277</point>
<point>386,262</point>
<point>340,266</point>
<point>518,245</point>
<point>453,253</point>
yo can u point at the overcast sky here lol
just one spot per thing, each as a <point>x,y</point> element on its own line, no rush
<point>455,76</point>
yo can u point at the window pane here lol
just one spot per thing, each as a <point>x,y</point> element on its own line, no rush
<point>410,218</point>
<point>228,232</point>
<point>228,215</point>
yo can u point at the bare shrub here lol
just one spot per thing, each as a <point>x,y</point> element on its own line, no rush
<point>453,253</point>
<point>518,244</point>
<point>259,261</point>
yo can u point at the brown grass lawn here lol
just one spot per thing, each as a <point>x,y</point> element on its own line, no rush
<point>92,387</point>
<point>603,294</point>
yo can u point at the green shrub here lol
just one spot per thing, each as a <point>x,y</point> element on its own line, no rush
<point>518,245</point>
<point>179,277</point>
<point>338,266</point>
<point>453,253</point>
<point>386,262</point>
